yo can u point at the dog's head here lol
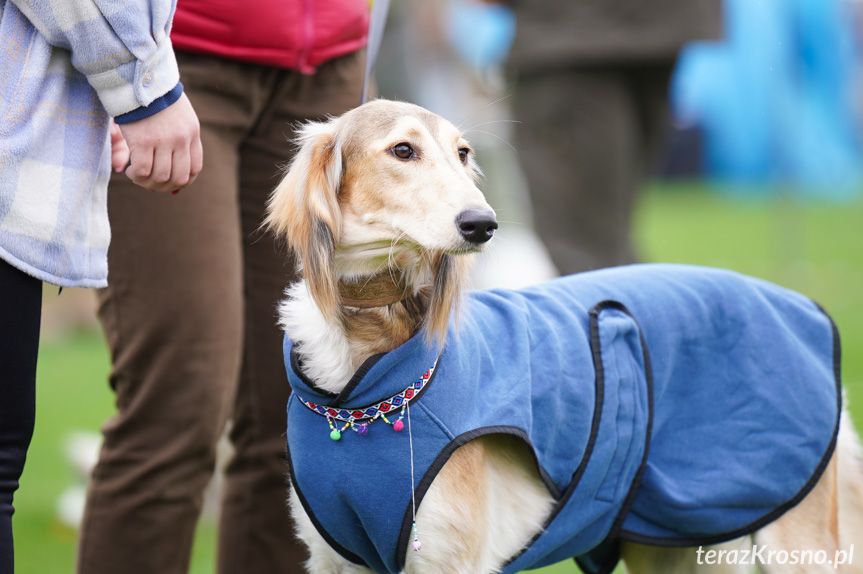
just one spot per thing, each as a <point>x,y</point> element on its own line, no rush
<point>388,184</point>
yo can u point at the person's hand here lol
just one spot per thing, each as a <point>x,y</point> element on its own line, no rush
<point>164,149</point>
<point>119,149</point>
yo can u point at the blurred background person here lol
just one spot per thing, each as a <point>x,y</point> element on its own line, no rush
<point>190,310</point>
<point>591,82</point>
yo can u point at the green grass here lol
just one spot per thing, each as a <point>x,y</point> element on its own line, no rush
<point>815,249</point>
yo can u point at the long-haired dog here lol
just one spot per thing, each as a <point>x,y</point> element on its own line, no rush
<point>382,207</point>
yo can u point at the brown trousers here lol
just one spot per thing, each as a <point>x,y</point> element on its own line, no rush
<point>587,138</point>
<point>190,319</point>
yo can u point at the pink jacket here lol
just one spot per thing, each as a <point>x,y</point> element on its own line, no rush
<point>296,34</point>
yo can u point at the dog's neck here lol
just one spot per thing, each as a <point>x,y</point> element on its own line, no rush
<point>332,350</point>
<point>378,290</point>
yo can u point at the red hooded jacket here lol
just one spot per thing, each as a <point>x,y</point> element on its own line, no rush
<point>296,34</point>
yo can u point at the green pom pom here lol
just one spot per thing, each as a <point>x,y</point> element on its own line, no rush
<point>335,435</point>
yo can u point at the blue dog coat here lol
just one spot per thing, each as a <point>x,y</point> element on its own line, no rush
<point>665,404</point>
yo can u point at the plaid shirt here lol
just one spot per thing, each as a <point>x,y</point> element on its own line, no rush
<point>65,67</point>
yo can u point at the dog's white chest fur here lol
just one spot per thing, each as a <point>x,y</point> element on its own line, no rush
<point>325,348</point>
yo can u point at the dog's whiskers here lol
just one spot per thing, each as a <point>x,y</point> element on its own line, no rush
<point>498,137</point>
<point>481,108</point>
<point>503,121</point>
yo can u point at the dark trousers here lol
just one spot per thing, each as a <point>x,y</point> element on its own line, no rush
<point>20,313</point>
<point>190,318</point>
<point>586,139</point>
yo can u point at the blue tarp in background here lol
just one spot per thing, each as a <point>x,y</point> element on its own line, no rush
<point>778,101</point>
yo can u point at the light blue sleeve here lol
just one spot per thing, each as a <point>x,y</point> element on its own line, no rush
<point>123,48</point>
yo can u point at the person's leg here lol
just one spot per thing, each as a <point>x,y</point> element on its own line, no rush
<point>20,311</point>
<point>580,146</point>
<point>173,319</point>
<point>256,534</point>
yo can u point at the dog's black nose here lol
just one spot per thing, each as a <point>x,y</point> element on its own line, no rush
<point>476,226</point>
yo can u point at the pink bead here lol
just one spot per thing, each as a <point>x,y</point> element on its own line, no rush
<point>399,425</point>
<point>417,545</point>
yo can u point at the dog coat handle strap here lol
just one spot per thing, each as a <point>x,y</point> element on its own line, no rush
<point>377,23</point>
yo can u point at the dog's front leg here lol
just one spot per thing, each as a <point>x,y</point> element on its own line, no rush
<point>486,503</point>
<point>322,558</point>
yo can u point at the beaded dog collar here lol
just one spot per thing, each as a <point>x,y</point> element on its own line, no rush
<point>360,419</point>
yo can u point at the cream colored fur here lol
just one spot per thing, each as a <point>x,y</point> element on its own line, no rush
<point>352,208</point>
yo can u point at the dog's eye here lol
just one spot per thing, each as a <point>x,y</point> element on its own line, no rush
<point>462,154</point>
<point>403,151</point>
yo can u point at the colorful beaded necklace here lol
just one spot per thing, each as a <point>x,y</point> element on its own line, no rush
<point>360,419</point>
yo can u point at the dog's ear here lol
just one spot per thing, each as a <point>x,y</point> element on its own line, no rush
<point>304,209</point>
<point>448,275</point>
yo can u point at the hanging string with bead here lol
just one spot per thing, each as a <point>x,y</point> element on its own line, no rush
<point>359,420</point>
<point>417,545</point>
